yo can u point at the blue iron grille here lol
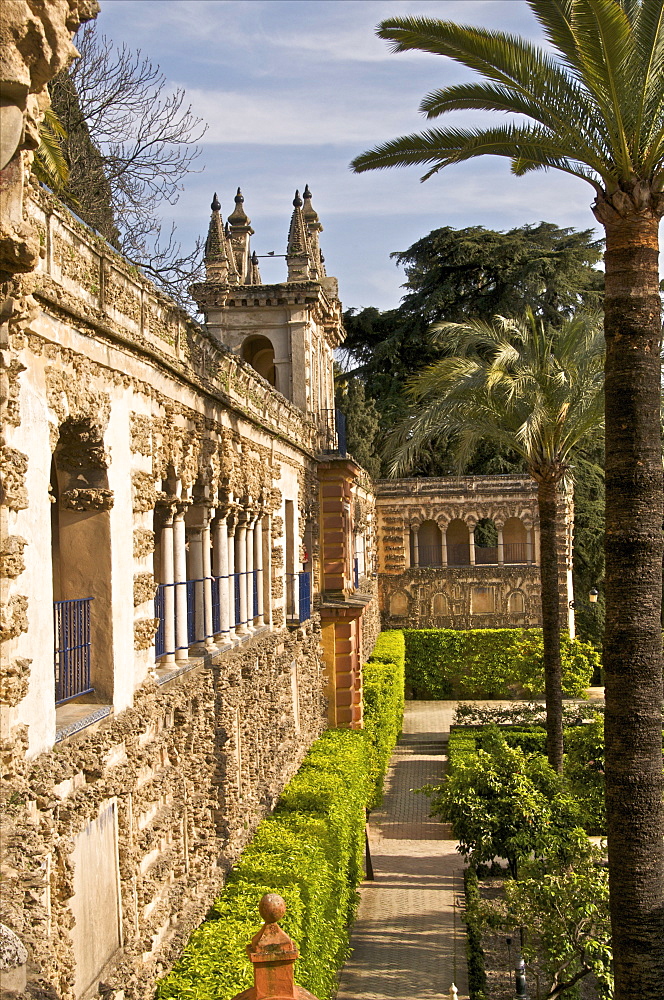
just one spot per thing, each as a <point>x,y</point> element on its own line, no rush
<point>255,592</point>
<point>216,603</point>
<point>159,613</point>
<point>305,596</point>
<point>72,648</point>
<point>236,580</point>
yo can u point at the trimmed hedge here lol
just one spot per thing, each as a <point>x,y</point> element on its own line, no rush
<point>384,704</point>
<point>310,851</point>
<point>476,970</point>
<point>490,663</point>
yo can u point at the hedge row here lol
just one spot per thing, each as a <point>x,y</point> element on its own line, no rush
<point>490,663</point>
<point>310,851</point>
<point>384,704</point>
<point>476,970</point>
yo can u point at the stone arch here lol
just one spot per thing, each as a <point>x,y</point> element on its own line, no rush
<point>399,604</point>
<point>429,544</point>
<point>81,562</point>
<point>486,541</point>
<point>515,541</point>
<point>516,603</point>
<point>458,543</point>
<point>258,351</point>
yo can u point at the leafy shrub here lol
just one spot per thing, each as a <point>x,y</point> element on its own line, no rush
<point>531,713</point>
<point>490,663</point>
<point>383,704</point>
<point>503,803</point>
<point>476,970</point>
<point>310,851</point>
<point>584,771</point>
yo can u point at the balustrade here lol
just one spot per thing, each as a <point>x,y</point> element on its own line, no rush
<point>72,648</point>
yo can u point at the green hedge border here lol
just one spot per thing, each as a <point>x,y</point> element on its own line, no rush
<point>490,663</point>
<point>310,851</point>
<point>477,983</point>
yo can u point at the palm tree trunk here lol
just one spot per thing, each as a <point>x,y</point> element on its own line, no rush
<point>633,640</point>
<point>553,687</point>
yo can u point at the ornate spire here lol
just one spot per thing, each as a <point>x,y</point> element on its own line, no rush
<point>298,252</point>
<point>238,216</point>
<point>239,233</point>
<point>219,260</point>
<point>314,227</point>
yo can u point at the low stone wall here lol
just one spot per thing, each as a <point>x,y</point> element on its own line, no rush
<point>156,803</point>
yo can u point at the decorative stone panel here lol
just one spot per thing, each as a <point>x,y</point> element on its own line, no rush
<point>145,630</point>
<point>144,588</point>
<point>13,617</point>
<point>12,562</point>
<point>143,542</point>
<point>87,499</point>
<point>144,492</point>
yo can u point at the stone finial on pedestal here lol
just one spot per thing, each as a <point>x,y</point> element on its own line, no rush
<point>273,955</point>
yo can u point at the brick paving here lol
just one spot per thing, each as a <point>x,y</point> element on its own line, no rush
<point>408,940</point>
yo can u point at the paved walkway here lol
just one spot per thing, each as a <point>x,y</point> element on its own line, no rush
<point>408,940</point>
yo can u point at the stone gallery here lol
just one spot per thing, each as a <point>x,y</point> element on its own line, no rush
<point>190,560</point>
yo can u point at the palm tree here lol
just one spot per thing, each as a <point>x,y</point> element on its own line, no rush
<point>49,165</point>
<point>535,390</point>
<point>592,105</point>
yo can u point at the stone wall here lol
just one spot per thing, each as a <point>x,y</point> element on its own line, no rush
<point>432,574</point>
<point>193,766</point>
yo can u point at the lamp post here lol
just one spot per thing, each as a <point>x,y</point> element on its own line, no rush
<point>593,595</point>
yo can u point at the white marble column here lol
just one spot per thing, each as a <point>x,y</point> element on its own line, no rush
<point>471,544</point>
<point>529,544</point>
<point>166,547</point>
<point>220,568</point>
<point>415,528</point>
<point>536,545</point>
<point>258,566</point>
<point>241,569</point>
<point>501,547</point>
<point>180,578</point>
<point>406,545</point>
<point>443,545</point>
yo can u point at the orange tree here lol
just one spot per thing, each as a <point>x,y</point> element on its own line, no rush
<point>592,105</point>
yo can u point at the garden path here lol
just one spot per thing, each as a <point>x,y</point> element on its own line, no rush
<point>408,939</point>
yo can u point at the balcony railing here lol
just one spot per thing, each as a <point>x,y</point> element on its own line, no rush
<point>196,634</point>
<point>72,648</point>
<point>333,431</point>
<point>298,598</point>
<point>486,555</point>
<point>458,554</point>
<point>515,552</point>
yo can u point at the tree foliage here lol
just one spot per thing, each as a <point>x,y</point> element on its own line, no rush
<point>453,275</point>
<point>504,803</point>
<point>129,144</point>
<point>362,421</point>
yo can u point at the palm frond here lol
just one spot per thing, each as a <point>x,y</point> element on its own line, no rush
<point>49,165</point>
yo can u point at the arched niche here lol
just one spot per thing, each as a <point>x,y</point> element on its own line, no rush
<point>458,543</point>
<point>516,603</point>
<point>440,605</point>
<point>486,542</point>
<point>399,604</point>
<point>81,563</point>
<point>515,547</point>
<point>429,544</point>
<point>259,352</point>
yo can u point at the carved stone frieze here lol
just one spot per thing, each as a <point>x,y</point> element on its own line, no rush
<point>145,630</point>
<point>12,562</point>
<point>143,542</point>
<point>144,588</point>
<point>144,492</point>
<point>141,434</point>
<point>14,679</point>
<point>70,393</point>
<point>13,617</point>
<point>89,498</point>
<point>13,468</point>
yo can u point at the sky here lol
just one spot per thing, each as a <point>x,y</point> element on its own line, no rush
<point>292,90</point>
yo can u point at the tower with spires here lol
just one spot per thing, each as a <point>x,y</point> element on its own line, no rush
<point>287,331</point>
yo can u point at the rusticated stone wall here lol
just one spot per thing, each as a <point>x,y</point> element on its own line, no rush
<point>193,766</point>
